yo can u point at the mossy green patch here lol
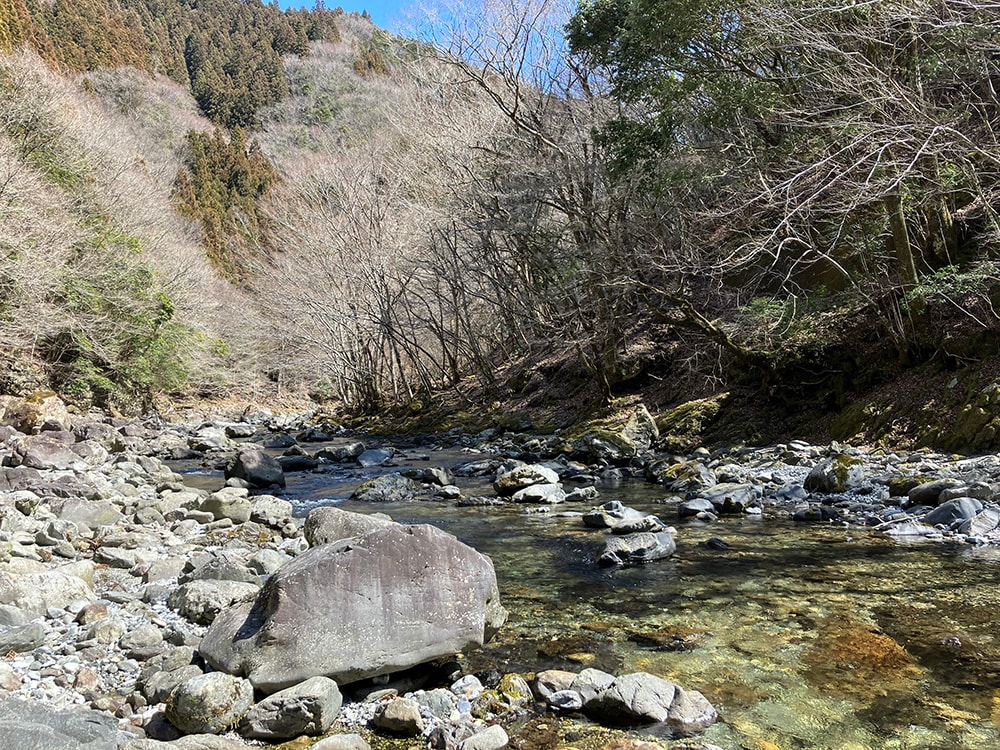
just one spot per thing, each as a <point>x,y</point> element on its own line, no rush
<point>682,428</point>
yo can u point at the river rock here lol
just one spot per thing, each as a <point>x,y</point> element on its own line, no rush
<point>307,708</point>
<point>590,682</point>
<point>637,549</point>
<point>229,502</point>
<point>210,438</point>
<point>550,494</point>
<point>21,638</point>
<point>611,514</point>
<point>631,698</point>
<point>399,716</point>
<point>239,430</point>
<point>342,453</point>
<point>270,510</point>
<point>158,686</point>
<point>39,592</point>
<point>691,712</point>
<point>494,737</point>
<point>388,488</point>
<point>297,462</point>
<point>342,742</point>
<point>929,493</point>
<point>729,498</point>
<point>35,726</point>
<point>278,441</point>
<point>256,468</point>
<point>375,457</point>
<point>953,512</point>
<point>509,482</point>
<point>44,452</point>
<point>201,601</point>
<point>551,681</point>
<point>437,475</point>
<point>694,507</point>
<point>645,523</point>
<point>379,603</point>
<point>984,525</point>
<point>683,476</point>
<point>330,524</point>
<point>835,474</point>
<point>816,514</point>
<point>210,703</point>
<point>27,415</point>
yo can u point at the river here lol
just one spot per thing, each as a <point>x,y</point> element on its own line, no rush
<point>802,636</point>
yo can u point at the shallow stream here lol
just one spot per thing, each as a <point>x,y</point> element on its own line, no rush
<point>802,636</point>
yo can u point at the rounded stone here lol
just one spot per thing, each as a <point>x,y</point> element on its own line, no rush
<point>209,703</point>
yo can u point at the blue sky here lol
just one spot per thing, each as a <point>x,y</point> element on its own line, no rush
<point>387,14</point>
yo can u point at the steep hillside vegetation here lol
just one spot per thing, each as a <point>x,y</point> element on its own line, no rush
<point>558,208</point>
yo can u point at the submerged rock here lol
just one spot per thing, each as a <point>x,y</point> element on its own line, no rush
<point>637,549</point>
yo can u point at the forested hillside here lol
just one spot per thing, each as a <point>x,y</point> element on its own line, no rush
<point>536,205</point>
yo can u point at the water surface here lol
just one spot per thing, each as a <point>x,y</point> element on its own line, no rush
<point>802,636</point>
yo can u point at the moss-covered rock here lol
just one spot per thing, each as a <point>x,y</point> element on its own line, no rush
<point>682,428</point>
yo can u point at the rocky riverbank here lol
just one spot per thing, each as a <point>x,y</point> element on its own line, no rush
<point>137,610</point>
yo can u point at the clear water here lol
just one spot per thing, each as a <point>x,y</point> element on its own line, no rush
<point>801,636</point>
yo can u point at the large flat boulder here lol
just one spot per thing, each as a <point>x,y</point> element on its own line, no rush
<point>33,726</point>
<point>375,604</point>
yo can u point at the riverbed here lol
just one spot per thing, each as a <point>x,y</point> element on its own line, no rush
<point>801,635</point>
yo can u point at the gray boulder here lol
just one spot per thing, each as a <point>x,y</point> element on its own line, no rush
<point>399,716</point>
<point>307,708</point>
<point>210,703</point>
<point>21,638</point>
<point>39,592</point>
<point>375,604</point>
<point>347,452</point>
<point>611,514</point>
<point>256,468</point>
<point>816,514</point>
<point>437,475</point>
<point>638,697</point>
<point>691,712</point>
<point>550,681</point>
<point>729,498</point>
<point>550,494</point>
<point>329,524</point>
<point>44,452</point>
<point>494,737</point>
<point>342,742</point>
<point>35,726</point>
<point>835,474</point>
<point>229,502</point>
<point>388,488</point>
<point>270,510</point>
<point>929,493</point>
<point>158,685</point>
<point>201,601</point>
<point>375,457</point>
<point>509,482</point>
<point>954,512</point>
<point>637,549</point>
<point>694,507</point>
<point>984,524</point>
<point>590,682</point>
